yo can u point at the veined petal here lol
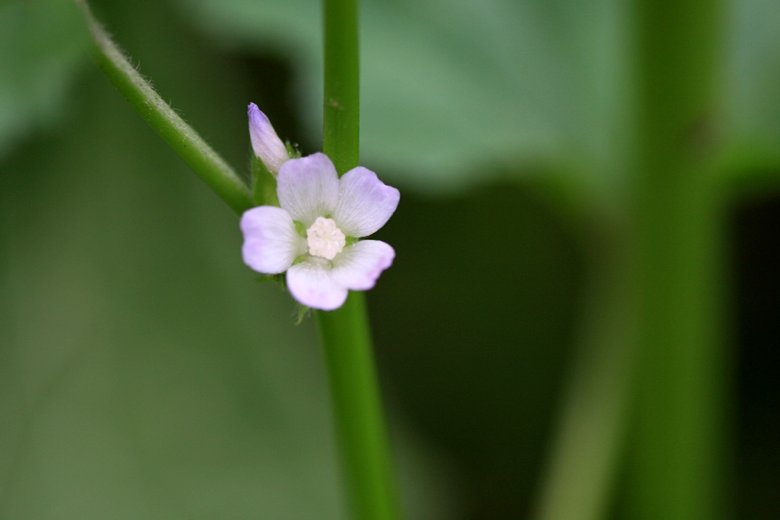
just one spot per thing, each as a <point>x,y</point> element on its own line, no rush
<point>360,265</point>
<point>265,143</point>
<point>310,282</point>
<point>365,203</point>
<point>308,187</point>
<point>270,240</point>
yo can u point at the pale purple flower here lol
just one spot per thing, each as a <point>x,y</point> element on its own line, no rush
<point>321,255</point>
<point>265,143</point>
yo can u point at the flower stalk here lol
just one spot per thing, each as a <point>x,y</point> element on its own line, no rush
<point>203,160</point>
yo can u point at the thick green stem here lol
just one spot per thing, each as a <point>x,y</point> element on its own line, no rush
<point>357,411</point>
<point>341,132</point>
<point>206,163</point>
<point>676,465</point>
<point>345,332</point>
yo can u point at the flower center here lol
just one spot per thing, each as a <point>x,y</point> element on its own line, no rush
<point>325,239</point>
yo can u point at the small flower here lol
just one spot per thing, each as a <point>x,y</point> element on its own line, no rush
<point>313,235</point>
<point>265,143</point>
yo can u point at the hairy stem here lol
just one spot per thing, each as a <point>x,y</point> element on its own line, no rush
<point>203,160</point>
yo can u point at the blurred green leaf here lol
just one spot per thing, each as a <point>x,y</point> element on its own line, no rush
<point>754,73</point>
<point>41,47</point>
<point>751,163</point>
<point>450,87</point>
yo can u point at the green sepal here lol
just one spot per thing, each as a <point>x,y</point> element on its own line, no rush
<point>293,150</point>
<point>276,279</point>
<point>263,184</point>
<point>301,313</point>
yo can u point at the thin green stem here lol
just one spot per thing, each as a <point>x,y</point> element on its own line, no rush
<point>579,477</point>
<point>204,161</point>
<point>345,333</point>
<point>676,467</point>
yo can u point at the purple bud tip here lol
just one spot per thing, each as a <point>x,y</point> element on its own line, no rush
<point>256,115</point>
<point>265,143</point>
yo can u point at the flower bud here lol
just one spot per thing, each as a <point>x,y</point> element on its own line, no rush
<point>265,143</point>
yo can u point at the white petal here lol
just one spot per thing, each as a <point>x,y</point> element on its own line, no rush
<point>308,187</point>
<point>270,240</point>
<point>365,203</point>
<point>360,265</point>
<point>310,282</point>
<point>265,143</point>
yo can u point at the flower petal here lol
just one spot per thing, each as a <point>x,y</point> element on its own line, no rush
<point>270,240</point>
<point>265,143</point>
<point>365,203</point>
<point>308,187</point>
<point>360,265</point>
<point>310,282</point>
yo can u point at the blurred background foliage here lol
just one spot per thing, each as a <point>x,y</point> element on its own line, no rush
<point>143,372</point>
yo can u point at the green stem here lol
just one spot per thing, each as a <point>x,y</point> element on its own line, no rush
<point>357,411</point>
<point>206,163</point>
<point>676,467</point>
<point>579,477</point>
<point>341,132</point>
<point>345,332</point>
